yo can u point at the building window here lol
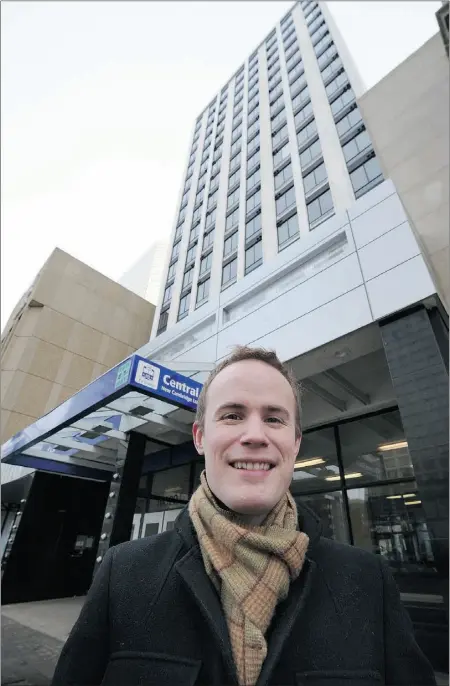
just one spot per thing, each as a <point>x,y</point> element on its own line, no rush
<point>253,144</point>
<point>285,201</point>
<point>278,119</point>
<point>236,132</point>
<point>167,294</point>
<point>306,133</point>
<point>212,199</point>
<point>287,230</point>
<point>337,83</point>
<point>230,244</point>
<point>314,178</point>
<point>303,115</point>
<point>205,264</point>
<point>295,59</point>
<point>366,176</point>
<point>175,251</point>
<point>332,68</point>
<point>294,73</point>
<point>281,155</point>
<point>311,153</point>
<point>253,130</point>
<point>210,218</point>
<point>178,233</point>
<point>203,291</point>
<point>217,155</point>
<point>253,202</point>
<point>253,226</point>
<point>291,52</point>
<point>253,160</point>
<point>232,219</point>
<point>190,256</point>
<point>350,120</point>
<point>199,197</point>
<point>297,85</point>
<point>233,198</point>
<point>253,103</point>
<point>229,273</point>
<point>253,180</point>
<point>236,121</point>
<point>162,324</point>
<point>276,105</point>
<point>235,162</point>
<point>234,179</point>
<point>319,207</point>
<point>356,145</point>
<point>253,257</point>
<point>279,136</point>
<point>171,272</point>
<point>214,183</point>
<point>323,43</point>
<point>283,176</point>
<point>342,101</point>
<point>184,306</point>
<point>325,56</point>
<point>275,92</point>
<point>235,148</point>
<point>187,278</point>
<point>253,92</point>
<point>300,98</point>
<point>208,239</point>
<point>193,233</point>
<point>316,23</point>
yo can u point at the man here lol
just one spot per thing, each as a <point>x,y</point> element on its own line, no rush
<point>244,590</point>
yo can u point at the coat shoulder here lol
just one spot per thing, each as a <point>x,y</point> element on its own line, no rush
<point>149,545</point>
<point>339,554</point>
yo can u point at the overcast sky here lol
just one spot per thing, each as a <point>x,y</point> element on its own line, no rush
<point>98,101</point>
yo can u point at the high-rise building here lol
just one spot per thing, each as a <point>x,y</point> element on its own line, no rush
<point>279,150</point>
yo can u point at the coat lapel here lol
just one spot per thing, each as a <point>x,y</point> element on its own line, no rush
<point>192,571</point>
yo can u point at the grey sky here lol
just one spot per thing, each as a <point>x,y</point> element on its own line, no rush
<point>98,104</point>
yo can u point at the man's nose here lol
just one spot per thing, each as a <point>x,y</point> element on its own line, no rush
<point>254,431</point>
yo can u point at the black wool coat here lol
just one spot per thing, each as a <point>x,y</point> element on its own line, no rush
<point>153,617</point>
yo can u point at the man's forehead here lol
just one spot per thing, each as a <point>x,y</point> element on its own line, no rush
<point>247,375</point>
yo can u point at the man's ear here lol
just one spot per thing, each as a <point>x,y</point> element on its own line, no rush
<point>197,434</point>
<point>297,446</point>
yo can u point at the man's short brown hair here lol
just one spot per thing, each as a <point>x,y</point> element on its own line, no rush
<point>243,352</point>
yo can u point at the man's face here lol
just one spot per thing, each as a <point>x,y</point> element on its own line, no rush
<point>249,420</point>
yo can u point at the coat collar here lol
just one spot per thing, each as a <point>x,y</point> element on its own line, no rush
<point>191,569</point>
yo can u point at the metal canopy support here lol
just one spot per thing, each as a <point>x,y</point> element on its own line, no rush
<point>313,387</point>
<point>347,386</point>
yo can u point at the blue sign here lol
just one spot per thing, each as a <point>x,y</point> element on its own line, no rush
<point>165,384</point>
<point>135,373</point>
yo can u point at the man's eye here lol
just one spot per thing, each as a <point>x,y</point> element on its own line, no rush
<point>277,420</point>
<point>231,415</point>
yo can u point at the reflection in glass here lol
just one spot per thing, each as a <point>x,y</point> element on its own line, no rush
<point>389,521</point>
<point>316,463</point>
<point>329,508</point>
<point>376,448</point>
<point>172,483</point>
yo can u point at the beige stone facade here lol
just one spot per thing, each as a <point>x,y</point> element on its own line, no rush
<point>407,116</point>
<point>70,327</point>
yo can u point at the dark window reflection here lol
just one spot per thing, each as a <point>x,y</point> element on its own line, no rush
<point>316,467</point>
<point>375,449</point>
<point>330,509</point>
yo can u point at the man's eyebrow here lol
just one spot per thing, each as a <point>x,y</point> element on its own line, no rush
<point>277,409</point>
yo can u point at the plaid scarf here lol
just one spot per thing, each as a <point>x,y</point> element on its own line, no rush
<point>251,568</point>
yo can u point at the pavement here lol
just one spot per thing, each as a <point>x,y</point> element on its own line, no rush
<point>33,635</point>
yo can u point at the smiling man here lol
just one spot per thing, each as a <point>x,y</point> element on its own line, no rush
<point>244,590</point>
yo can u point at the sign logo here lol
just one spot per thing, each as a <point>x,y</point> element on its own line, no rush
<point>123,374</point>
<point>147,375</point>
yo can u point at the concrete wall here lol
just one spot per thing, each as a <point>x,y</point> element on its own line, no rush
<point>72,326</point>
<point>407,115</point>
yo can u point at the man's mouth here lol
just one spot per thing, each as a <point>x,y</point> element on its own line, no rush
<point>252,466</point>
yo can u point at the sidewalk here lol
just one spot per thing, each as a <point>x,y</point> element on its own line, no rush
<point>33,635</point>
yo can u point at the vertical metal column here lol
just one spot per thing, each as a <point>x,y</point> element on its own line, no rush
<point>118,520</point>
